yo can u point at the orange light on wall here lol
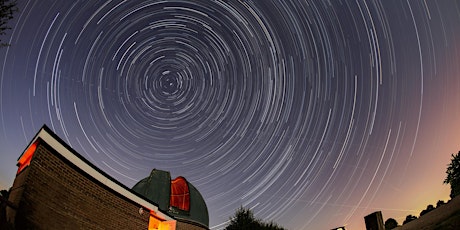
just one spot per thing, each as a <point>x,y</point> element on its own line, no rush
<point>154,223</point>
<point>180,194</point>
<point>157,223</point>
<point>25,159</point>
<point>167,225</point>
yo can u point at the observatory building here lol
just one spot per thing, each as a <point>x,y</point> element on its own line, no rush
<point>56,188</point>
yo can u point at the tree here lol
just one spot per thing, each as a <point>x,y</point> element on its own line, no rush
<point>244,220</point>
<point>271,226</point>
<point>453,175</point>
<point>428,209</point>
<point>7,10</point>
<point>5,193</point>
<point>390,223</point>
<point>409,218</point>
<point>440,203</point>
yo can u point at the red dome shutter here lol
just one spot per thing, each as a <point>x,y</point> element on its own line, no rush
<point>180,195</point>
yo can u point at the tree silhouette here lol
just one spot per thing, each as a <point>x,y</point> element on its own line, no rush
<point>453,175</point>
<point>4,194</point>
<point>7,10</point>
<point>440,203</point>
<point>244,220</point>
<point>390,223</point>
<point>428,209</point>
<point>271,226</point>
<point>409,218</point>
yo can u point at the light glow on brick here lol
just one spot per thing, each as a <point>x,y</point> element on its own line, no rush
<point>25,159</point>
<point>158,223</point>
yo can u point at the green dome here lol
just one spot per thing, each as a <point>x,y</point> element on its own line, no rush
<point>179,197</point>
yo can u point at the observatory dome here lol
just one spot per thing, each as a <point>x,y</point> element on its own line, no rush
<point>178,197</point>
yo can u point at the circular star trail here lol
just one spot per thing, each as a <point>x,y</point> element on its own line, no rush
<point>299,110</point>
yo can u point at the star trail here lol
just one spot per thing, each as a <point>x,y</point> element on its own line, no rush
<point>311,113</point>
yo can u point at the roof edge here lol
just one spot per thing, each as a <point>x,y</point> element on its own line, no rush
<point>63,149</point>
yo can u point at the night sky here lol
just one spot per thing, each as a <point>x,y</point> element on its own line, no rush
<point>311,113</point>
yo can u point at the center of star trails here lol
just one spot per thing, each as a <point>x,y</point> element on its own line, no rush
<point>169,83</point>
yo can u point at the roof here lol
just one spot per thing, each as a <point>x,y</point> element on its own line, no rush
<point>178,196</point>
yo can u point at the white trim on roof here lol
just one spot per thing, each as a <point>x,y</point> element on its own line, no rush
<point>66,153</point>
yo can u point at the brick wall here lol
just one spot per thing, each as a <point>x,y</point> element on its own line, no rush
<point>51,194</point>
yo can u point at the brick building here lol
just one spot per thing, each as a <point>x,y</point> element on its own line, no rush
<point>56,188</point>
